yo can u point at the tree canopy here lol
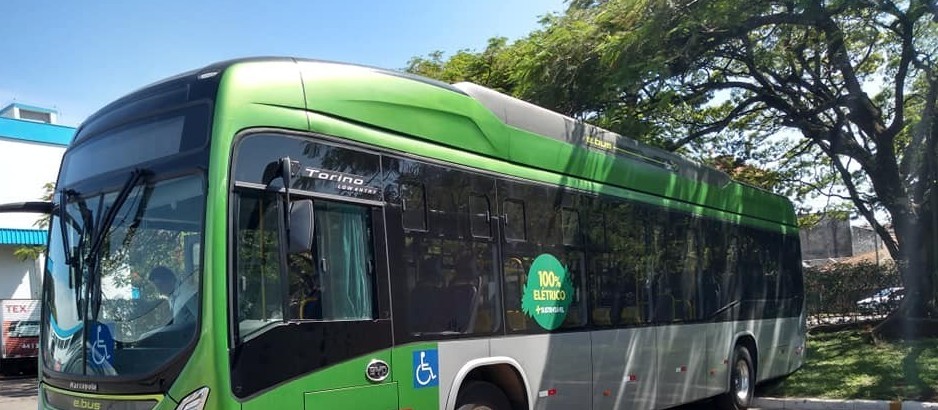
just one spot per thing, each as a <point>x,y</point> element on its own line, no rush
<point>826,97</point>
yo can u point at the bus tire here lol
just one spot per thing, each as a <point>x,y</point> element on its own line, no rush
<point>478,395</point>
<point>742,381</point>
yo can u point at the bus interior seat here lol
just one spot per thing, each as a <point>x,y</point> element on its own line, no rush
<point>461,302</point>
<point>422,315</point>
<point>601,316</point>
<point>483,322</point>
<point>631,315</point>
<point>664,308</point>
<point>516,320</point>
<point>573,317</point>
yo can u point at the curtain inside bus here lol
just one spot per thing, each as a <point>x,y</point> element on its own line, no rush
<point>344,247</point>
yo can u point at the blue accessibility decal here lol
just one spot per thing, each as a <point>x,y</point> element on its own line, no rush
<point>100,346</point>
<point>426,368</point>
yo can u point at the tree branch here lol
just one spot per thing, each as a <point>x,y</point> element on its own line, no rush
<point>862,111</point>
<point>867,213</point>
<point>716,126</point>
<point>902,71</point>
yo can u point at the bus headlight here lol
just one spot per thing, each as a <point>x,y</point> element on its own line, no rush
<point>195,400</point>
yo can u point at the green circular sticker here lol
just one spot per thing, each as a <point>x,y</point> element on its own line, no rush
<point>548,293</point>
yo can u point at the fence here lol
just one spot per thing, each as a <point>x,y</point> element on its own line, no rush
<point>851,293</point>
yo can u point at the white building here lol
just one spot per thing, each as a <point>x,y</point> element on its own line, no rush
<point>31,148</point>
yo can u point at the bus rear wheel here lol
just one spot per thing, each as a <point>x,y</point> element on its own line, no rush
<point>742,381</point>
<point>481,396</point>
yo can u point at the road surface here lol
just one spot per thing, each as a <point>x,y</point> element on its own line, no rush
<point>18,393</point>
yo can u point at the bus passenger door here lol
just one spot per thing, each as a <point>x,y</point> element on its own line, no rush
<point>322,336</point>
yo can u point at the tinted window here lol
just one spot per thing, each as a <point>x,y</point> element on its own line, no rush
<point>335,279</point>
<point>451,286</point>
<point>479,216</point>
<point>414,206</point>
<point>596,230</point>
<point>515,221</point>
<point>137,144</point>
<point>317,166</point>
<point>620,275</point>
<point>713,261</point>
<point>259,301</point>
<point>570,226</point>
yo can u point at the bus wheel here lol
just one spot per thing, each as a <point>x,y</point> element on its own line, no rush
<point>742,381</point>
<point>481,396</point>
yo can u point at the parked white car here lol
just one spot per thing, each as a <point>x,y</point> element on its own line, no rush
<point>882,302</point>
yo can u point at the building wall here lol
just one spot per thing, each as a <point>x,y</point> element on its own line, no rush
<point>18,279</point>
<point>30,155</point>
<point>830,238</point>
<point>864,240</point>
<point>24,168</point>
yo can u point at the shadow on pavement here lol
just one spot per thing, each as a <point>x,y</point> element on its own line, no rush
<point>18,387</point>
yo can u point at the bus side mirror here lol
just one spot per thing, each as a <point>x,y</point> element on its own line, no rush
<point>302,222</point>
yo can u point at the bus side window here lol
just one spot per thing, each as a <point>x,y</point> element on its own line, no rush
<point>479,216</point>
<point>258,262</point>
<point>619,293</point>
<point>335,279</point>
<point>515,221</point>
<point>713,260</point>
<point>515,278</point>
<point>454,287</point>
<point>414,206</point>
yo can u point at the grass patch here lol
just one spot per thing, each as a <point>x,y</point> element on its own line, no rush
<point>845,365</point>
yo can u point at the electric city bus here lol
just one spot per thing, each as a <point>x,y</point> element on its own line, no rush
<point>283,234</point>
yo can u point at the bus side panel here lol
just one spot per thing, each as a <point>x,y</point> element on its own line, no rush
<point>776,338</point>
<point>624,368</point>
<point>774,343</point>
<point>558,367</point>
<point>454,355</point>
<point>382,396</point>
<point>720,339</point>
<point>683,373</point>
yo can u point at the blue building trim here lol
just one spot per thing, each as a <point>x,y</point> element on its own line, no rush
<point>9,236</point>
<point>32,131</point>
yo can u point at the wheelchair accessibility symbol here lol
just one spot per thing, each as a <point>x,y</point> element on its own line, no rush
<point>426,368</point>
<point>102,347</point>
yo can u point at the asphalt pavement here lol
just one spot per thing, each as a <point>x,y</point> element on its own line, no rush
<point>18,393</point>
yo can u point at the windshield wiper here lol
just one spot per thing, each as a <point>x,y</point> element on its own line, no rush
<point>72,258</point>
<point>108,219</point>
<point>64,220</point>
<point>91,258</point>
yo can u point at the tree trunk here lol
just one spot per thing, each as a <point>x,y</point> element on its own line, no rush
<point>917,265</point>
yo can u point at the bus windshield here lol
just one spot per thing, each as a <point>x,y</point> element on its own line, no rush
<point>123,276</point>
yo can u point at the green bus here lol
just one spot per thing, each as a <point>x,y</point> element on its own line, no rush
<point>283,233</point>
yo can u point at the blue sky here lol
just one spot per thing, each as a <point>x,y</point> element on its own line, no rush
<point>77,56</point>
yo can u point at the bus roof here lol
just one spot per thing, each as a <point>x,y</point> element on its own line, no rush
<point>478,121</point>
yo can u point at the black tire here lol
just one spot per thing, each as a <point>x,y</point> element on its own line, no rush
<point>481,396</point>
<point>742,381</point>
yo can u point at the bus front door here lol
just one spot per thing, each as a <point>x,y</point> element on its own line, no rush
<point>328,341</point>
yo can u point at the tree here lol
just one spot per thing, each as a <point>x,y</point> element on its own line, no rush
<point>32,252</point>
<point>836,96</point>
